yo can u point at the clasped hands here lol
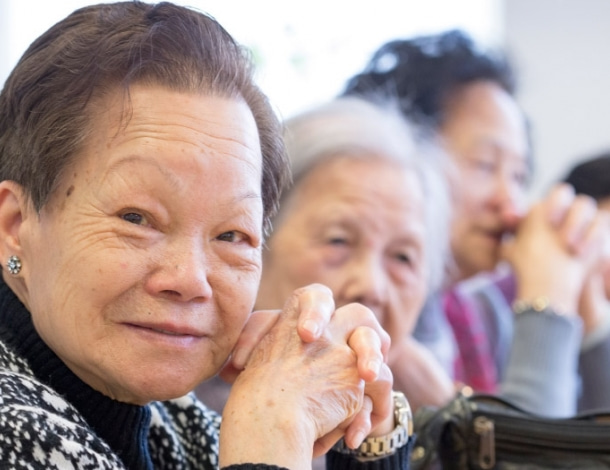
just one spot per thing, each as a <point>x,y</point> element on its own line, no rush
<point>558,250</point>
<point>309,375</point>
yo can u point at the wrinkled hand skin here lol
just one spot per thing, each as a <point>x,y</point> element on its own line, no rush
<point>556,247</point>
<point>293,393</point>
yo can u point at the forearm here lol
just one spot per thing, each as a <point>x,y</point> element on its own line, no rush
<point>595,375</point>
<point>541,373</point>
<point>255,431</point>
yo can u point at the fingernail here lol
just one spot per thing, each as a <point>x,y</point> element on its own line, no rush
<point>374,365</point>
<point>359,437</point>
<point>312,327</point>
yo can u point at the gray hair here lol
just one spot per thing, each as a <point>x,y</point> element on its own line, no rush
<point>355,127</point>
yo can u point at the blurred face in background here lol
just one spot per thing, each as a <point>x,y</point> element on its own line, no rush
<point>485,134</point>
<point>357,225</point>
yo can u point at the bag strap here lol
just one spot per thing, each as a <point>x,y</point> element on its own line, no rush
<point>482,399</point>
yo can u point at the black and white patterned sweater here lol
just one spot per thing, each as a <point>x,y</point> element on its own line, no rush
<point>50,419</point>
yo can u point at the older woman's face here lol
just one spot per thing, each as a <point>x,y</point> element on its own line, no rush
<point>145,264</point>
<point>356,225</point>
<point>485,133</point>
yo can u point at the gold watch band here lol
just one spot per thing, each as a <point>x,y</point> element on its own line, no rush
<point>381,446</point>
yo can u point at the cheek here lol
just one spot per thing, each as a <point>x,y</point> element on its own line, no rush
<point>86,280</point>
<point>470,191</point>
<point>319,265</point>
<point>82,295</point>
<point>463,205</point>
<point>110,273</point>
<point>412,288</point>
<point>413,297</point>
<point>471,199</point>
<point>235,292</point>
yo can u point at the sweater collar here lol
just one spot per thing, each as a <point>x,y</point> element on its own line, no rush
<point>124,427</point>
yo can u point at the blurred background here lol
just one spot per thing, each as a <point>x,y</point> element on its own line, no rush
<point>305,51</point>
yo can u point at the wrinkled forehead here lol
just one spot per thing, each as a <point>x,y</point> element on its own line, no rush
<point>151,121</point>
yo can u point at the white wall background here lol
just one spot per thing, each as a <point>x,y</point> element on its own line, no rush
<point>306,49</point>
<point>562,50</point>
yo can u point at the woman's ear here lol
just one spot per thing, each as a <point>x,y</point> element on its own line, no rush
<point>13,205</point>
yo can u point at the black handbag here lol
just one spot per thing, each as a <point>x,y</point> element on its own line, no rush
<point>483,432</point>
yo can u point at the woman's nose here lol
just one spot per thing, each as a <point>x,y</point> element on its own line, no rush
<point>182,272</point>
<point>367,281</point>
<point>509,198</point>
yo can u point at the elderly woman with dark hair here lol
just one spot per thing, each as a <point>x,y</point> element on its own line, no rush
<point>139,168</point>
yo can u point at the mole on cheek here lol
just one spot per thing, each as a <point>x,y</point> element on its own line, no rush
<point>69,191</point>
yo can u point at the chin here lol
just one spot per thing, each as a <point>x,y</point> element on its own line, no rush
<point>161,391</point>
<point>479,266</point>
<point>161,385</point>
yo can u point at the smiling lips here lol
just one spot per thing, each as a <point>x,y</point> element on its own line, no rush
<point>169,330</point>
<point>166,332</point>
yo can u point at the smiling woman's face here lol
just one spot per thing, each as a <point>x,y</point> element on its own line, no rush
<point>144,265</point>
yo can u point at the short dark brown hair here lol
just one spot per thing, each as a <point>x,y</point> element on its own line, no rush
<point>45,112</point>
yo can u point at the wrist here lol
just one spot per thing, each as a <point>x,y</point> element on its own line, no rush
<point>539,304</point>
<point>563,301</point>
<point>562,296</point>
<point>388,444</point>
<point>251,429</point>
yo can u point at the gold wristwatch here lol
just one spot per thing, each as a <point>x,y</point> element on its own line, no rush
<point>381,446</point>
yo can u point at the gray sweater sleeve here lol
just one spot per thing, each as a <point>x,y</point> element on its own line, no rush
<point>542,370</point>
<point>595,374</point>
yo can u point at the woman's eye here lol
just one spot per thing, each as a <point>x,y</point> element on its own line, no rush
<point>485,166</point>
<point>403,258</point>
<point>337,241</point>
<point>231,237</point>
<point>134,218</point>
